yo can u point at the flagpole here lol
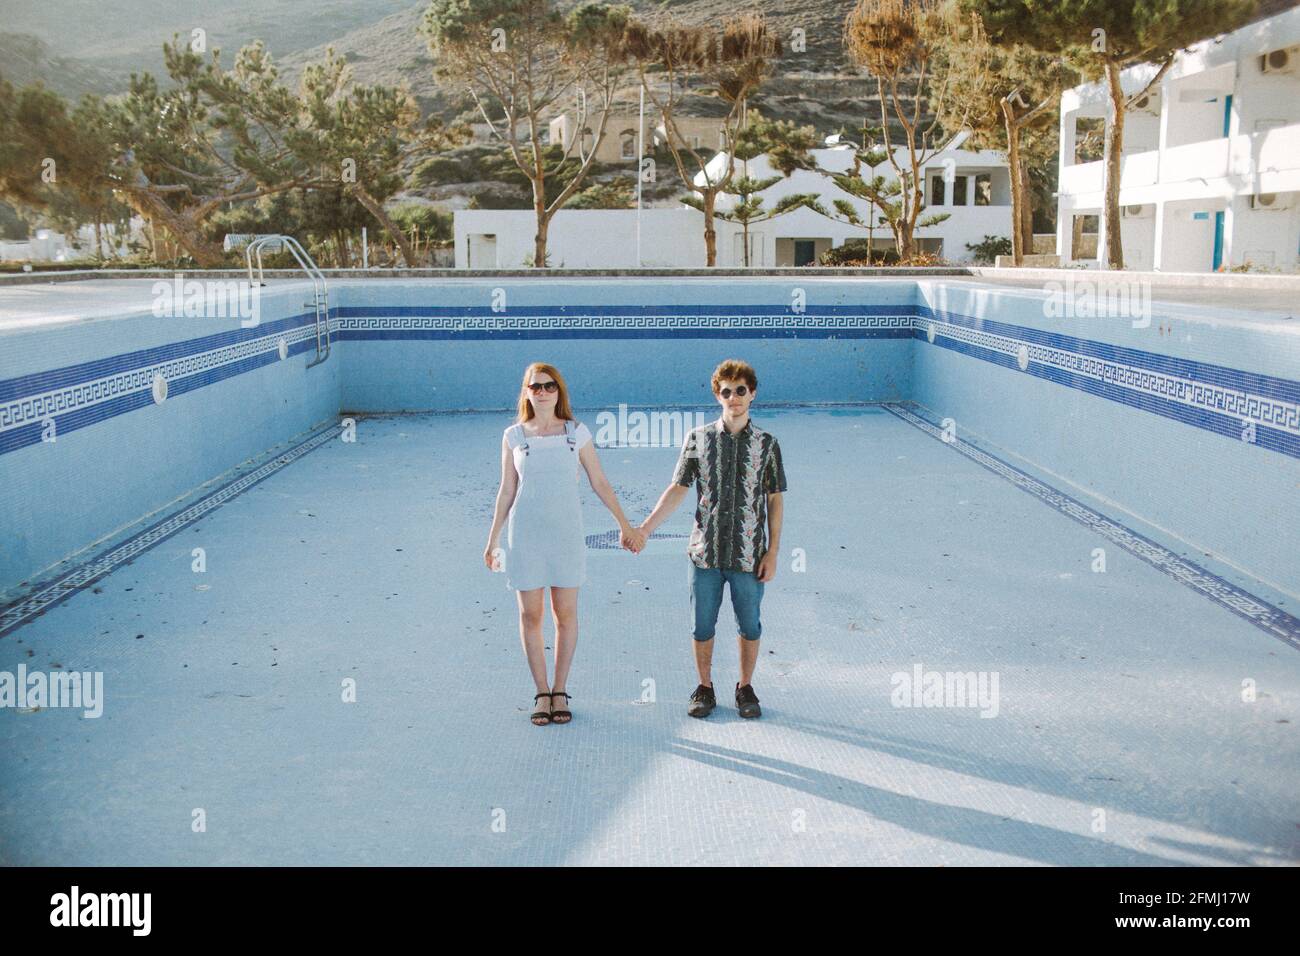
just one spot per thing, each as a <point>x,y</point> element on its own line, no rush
<point>640,152</point>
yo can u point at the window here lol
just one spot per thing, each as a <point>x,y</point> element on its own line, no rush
<point>936,189</point>
<point>983,189</point>
<point>629,144</point>
<point>959,191</point>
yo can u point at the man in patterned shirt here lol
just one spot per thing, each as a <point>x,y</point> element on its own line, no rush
<point>739,477</point>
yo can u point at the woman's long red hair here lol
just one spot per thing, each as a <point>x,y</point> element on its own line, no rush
<point>562,409</point>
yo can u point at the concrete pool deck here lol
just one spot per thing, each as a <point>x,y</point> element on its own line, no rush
<point>1121,736</point>
<point>1266,302</point>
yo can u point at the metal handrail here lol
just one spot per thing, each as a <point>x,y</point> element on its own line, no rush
<point>320,286</point>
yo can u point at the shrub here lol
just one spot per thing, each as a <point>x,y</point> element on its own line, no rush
<point>989,248</point>
<point>438,171</point>
<point>854,253</point>
<point>617,194</point>
<point>501,198</point>
<point>416,219</point>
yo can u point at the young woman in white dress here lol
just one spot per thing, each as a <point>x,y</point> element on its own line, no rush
<point>542,455</point>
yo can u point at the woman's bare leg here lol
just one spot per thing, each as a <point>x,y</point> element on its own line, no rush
<point>564,608</point>
<point>532,605</point>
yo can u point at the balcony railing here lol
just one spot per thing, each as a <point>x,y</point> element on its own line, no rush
<point>1243,156</point>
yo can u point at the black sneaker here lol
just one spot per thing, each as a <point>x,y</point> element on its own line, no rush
<point>702,702</point>
<point>747,701</point>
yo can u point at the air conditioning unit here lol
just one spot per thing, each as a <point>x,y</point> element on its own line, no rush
<point>1286,60</point>
<point>1148,103</point>
<point>1135,212</point>
<point>1272,202</point>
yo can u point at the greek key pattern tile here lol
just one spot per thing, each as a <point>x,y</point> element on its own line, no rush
<point>596,321</point>
<point>39,406</point>
<point>1262,410</point>
<point>1265,616</point>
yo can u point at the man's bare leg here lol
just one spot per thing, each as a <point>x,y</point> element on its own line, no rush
<point>746,699</point>
<point>704,660</point>
<point>748,659</point>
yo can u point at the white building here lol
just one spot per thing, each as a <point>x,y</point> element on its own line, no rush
<point>973,188</point>
<point>580,238</point>
<point>49,245</point>
<point>622,140</point>
<point>44,245</point>
<point>1210,170</point>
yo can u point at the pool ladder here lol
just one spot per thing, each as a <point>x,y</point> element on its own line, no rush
<point>320,300</point>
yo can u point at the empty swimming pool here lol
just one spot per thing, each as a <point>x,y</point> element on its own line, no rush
<point>269,568</point>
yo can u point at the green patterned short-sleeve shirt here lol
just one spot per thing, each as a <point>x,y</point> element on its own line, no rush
<point>733,475</point>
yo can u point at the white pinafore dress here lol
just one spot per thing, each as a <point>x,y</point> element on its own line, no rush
<point>545,542</point>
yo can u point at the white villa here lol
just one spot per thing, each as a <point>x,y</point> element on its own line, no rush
<point>1210,173</point>
<point>972,187</point>
<point>621,140</point>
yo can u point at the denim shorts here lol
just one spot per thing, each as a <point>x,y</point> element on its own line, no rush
<point>706,600</point>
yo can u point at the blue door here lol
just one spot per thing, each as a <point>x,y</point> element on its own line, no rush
<point>1218,240</point>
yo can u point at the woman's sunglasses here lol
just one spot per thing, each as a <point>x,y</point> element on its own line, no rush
<point>537,387</point>
<point>741,391</point>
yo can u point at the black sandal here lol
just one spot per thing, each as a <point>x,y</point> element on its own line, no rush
<point>560,716</point>
<point>540,713</point>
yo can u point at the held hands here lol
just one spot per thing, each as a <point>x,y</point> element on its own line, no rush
<point>633,539</point>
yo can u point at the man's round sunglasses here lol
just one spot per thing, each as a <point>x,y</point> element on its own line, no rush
<point>536,387</point>
<point>741,391</point>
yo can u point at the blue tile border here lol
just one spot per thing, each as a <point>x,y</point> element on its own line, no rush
<point>1268,618</point>
<point>1269,386</point>
<point>26,385</point>
<point>123,383</point>
<point>1223,403</point>
<point>379,335</point>
<point>373,323</point>
<point>620,311</point>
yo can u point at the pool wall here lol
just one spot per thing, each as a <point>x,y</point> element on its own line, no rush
<point>1146,412</point>
<point>1150,418</point>
<point>421,346</point>
<point>116,455</point>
